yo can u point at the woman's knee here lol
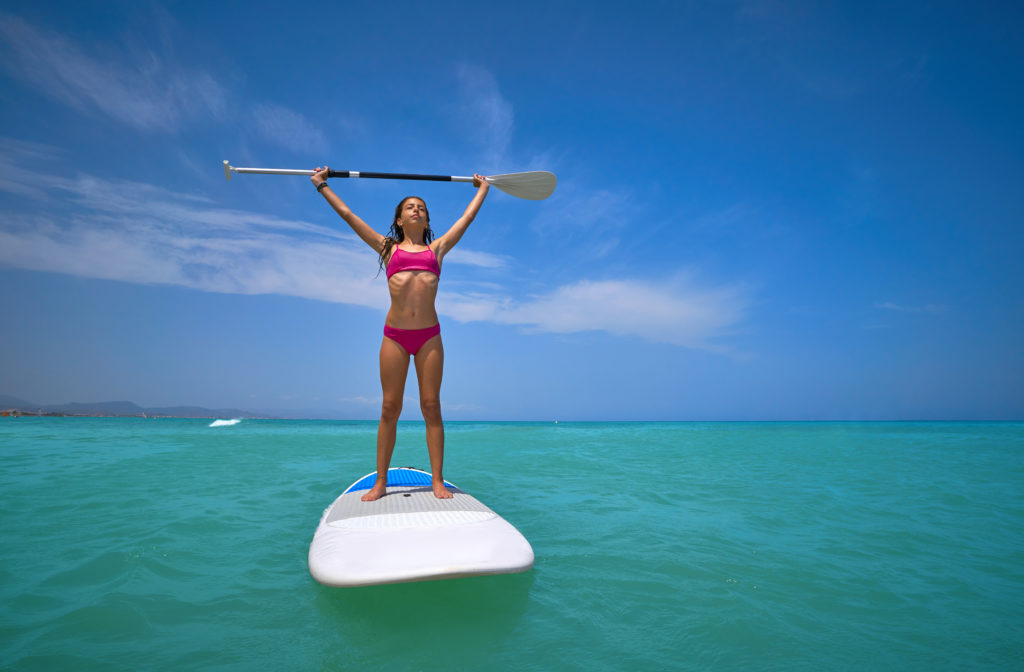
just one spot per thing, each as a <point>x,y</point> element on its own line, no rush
<point>431,409</point>
<point>390,410</point>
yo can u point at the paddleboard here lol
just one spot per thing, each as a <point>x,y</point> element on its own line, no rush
<point>411,535</point>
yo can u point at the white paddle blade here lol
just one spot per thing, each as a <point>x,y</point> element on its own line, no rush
<point>535,185</point>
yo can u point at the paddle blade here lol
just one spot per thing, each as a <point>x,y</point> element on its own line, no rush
<point>535,185</point>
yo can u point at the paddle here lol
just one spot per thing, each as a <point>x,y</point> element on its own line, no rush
<point>535,185</point>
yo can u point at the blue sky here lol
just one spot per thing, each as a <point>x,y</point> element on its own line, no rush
<point>765,210</point>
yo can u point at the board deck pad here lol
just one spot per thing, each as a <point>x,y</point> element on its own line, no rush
<point>408,506</point>
<point>396,476</point>
<point>411,535</point>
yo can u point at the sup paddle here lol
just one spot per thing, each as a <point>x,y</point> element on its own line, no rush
<point>535,185</point>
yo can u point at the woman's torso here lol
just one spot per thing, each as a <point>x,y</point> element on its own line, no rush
<point>412,282</point>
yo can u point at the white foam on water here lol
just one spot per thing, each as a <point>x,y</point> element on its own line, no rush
<point>225,423</point>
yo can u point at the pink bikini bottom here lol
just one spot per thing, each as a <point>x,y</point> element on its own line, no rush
<point>411,339</point>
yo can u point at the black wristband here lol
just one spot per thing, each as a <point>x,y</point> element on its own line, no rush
<point>321,186</point>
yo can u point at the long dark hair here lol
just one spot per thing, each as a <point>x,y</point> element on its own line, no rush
<point>396,235</point>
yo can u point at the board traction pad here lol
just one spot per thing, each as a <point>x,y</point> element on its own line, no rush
<point>404,500</point>
<point>396,476</point>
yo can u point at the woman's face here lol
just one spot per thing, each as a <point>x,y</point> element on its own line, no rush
<point>413,213</point>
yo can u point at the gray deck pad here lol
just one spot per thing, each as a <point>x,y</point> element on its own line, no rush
<point>403,500</point>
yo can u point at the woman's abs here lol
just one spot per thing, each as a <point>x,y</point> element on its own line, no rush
<point>412,303</point>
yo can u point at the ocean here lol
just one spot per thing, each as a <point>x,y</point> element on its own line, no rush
<point>160,544</point>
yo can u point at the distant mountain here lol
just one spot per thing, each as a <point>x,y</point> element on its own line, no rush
<point>200,412</point>
<point>98,408</point>
<point>119,408</point>
<point>7,401</point>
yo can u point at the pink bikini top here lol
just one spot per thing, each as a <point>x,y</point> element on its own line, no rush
<point>425,260</point>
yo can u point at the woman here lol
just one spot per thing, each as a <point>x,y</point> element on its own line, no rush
<point>412,260</point>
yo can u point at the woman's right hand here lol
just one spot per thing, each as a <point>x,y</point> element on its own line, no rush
<point>320,176</point>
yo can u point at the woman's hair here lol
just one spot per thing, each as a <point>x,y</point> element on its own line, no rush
<point>396,235</point>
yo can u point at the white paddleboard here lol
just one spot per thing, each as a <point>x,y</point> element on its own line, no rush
<point>410,535</point>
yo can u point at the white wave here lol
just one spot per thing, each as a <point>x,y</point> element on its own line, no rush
<point>225,423</point>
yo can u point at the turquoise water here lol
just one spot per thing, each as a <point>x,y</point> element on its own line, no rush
<point>133,544</point>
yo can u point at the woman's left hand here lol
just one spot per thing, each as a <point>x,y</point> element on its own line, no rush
<point>320,176</point>
<point>480,180</point>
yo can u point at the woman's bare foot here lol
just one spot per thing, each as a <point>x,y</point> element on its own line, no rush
<point>376,492</point>
<point>440,491</point>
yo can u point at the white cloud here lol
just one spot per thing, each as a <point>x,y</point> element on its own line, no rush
<point>142,233</point>
<point>368,401</point>
<point>468,257</point>
<point>488,116</point>
<point>147,93</point>
<point>12,178</point>
<point>733,216</point>
<point>113,247</point>
<point>288,129</point>
<point>676,311</point>
<point>144,91</point>
<point>931,308</point>
<point>590,219</point>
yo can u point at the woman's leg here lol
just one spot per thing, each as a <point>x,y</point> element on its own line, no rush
<point>394,367</point>
<point>429,367</point>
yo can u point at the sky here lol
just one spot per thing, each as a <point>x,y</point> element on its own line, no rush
<point>765,210</point>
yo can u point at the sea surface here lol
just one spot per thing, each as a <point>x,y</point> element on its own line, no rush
<point>156,544</point>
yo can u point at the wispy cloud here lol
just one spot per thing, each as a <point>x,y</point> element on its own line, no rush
<point>676,311</point>
<point>931,308</point>
<point>589,220</point>
<point>476,258</point>
<point>731,217</point>
<point>143,233</point>
<point>488,116</point>
<point>805,45</point>
<point>288,129</point>
<point>12,178</point>
<point>145,91</point>
<point>115,246</point>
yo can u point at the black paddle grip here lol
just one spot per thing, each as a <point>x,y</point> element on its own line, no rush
<point>389,176</point>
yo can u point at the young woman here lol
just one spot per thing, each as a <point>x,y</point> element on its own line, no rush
<point>412,260</point>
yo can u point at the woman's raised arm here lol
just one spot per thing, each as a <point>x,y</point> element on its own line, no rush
<point>454,234</point>
<point>362,229</point>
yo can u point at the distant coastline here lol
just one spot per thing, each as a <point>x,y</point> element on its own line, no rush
<point>16,407</point>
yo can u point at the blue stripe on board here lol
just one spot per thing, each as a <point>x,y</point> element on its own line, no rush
<point>396,476</point>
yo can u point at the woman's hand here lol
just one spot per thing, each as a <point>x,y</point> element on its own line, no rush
<point>481,181</point>
<point>320,176</point>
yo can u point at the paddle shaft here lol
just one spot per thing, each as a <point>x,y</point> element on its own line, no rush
<point>353,173</point>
